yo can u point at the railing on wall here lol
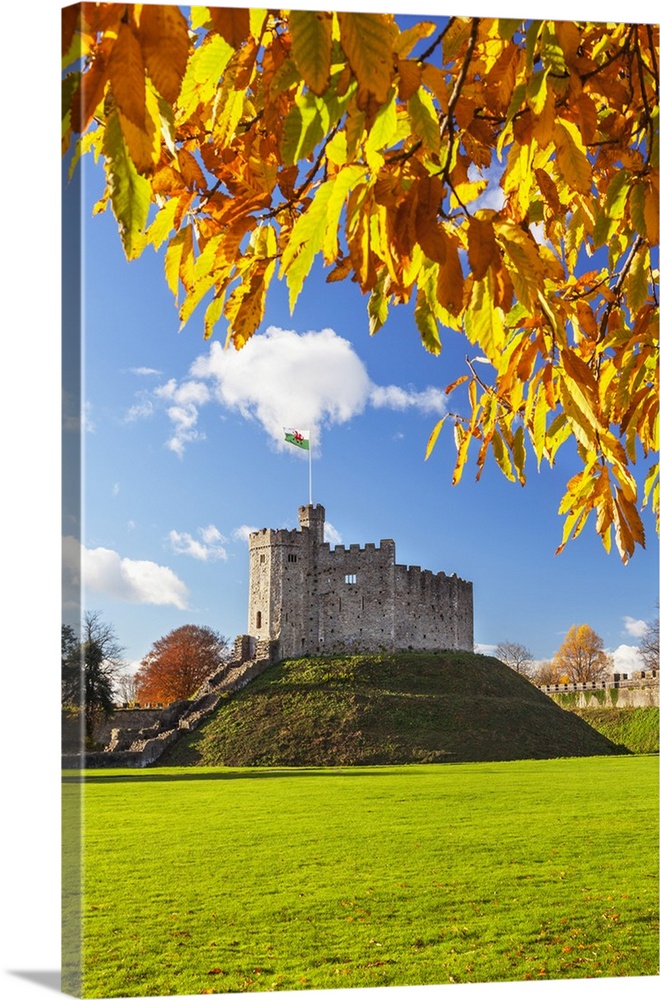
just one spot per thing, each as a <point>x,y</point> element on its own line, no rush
<point>647,678</point>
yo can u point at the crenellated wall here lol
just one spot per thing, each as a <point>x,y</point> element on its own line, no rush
<point>318,599</point>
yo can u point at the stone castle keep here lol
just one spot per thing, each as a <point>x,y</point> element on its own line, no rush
<point>314,599</point>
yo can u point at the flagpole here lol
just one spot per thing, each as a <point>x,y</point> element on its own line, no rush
<point>310,468</point>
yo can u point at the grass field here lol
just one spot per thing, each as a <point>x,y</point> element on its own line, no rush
<point>230,880</point>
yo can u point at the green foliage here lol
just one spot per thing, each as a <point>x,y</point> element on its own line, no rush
<point>388,709</point>
<point>233,881</point>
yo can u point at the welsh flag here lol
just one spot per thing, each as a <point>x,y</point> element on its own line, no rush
<point>299,438</point>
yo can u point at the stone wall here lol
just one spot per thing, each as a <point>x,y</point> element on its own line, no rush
<point>318,599</point>
<point>131,747</point>
<point>625,694</point>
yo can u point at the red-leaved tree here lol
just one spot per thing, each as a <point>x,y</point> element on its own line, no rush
<point>178,663</point>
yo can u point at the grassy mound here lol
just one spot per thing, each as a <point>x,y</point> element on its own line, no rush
<point>388,709</point>
<point>635,728</point>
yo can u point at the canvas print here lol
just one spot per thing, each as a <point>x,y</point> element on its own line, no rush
<point>360,620</point>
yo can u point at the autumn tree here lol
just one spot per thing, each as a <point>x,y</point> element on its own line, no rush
<point>90,666</point>
<point>498,175</point>
<point>581,657</point>
<point>177,663</point>
<point>516,656</point>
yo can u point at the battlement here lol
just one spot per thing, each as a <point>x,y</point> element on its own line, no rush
<point>315,598</point>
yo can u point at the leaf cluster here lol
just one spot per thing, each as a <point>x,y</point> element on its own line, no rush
<point>499,175</point>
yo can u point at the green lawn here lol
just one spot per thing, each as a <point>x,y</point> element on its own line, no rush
<point>230,880</point>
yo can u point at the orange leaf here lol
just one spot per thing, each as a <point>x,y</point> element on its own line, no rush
<point>410,77</point>
<point>165,43</point>
<point>233,23</point>
<point>482,246</point>
<point>450,279</point>
<point>127,75</point>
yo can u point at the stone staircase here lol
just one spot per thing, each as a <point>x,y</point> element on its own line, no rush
<point>142,747</point>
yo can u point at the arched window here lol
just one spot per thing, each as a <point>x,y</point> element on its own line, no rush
<point>258,619</point>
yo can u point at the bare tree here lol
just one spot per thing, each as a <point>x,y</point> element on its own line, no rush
<point>546,673</point>
<point>649,647</point>
<point>516,656</point>
<point>126,686</point>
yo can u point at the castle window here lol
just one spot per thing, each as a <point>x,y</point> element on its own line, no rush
<point>350,578</point>
<point>262,559</point>
<point>258,619</point>
<point>292,558</point>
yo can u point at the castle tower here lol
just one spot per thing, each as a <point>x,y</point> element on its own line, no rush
<point>313,518</point>
<point>282,601</point>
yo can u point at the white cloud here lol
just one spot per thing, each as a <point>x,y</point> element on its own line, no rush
<point>330,534</point>
<point>135,581</point>
<point>186,398</point>
<point>281,378</point>
<point>393,397</point>
<point>626,659</point>
<point>635,627</point>
<point>145,371</point>
<point>243,532</point>
<point>141,410</point>
<point>285,379</point>
<point>208,549</point>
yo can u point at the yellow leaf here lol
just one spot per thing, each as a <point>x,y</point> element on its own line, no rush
<point>651,210</point>
<point>212,315</point>
<point>434,437</point>
<point>311,41</point>
<point>409,38</point>
<point>572,157</point>
<point>178,258</point>
<point>367,41</point>
<point>381,133</point>
<point>424,119</point>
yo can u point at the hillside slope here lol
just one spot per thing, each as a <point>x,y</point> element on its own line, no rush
<point>634,728</point>
<point>402,708</point>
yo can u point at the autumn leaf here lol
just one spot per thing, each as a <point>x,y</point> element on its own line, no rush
<point>127,75</point>
<point>311,41</point>
<point>367,41</point>
<point>163,34</point>
<point>130,193</point>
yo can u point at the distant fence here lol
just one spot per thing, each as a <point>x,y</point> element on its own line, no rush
<point>620,692</point>
<point>647,678</point>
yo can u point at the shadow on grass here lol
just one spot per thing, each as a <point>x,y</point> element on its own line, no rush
<point>191,774</point>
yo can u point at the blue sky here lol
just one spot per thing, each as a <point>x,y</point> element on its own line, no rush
<point>184,453</point>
